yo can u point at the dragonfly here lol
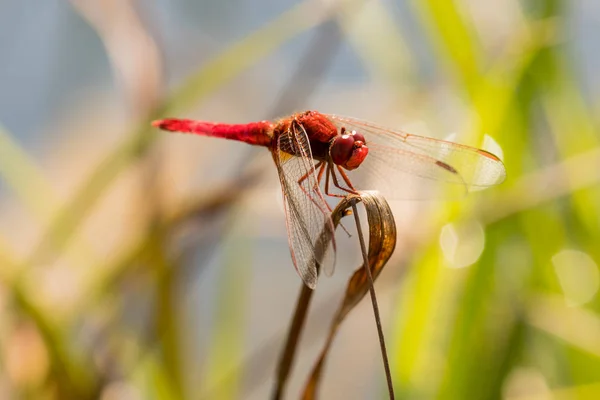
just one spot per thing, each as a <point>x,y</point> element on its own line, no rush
<point>321,156</point>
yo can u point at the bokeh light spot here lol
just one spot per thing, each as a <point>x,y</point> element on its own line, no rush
<point>462,244</point>
<point>524,382</point>
<point>578,276</point>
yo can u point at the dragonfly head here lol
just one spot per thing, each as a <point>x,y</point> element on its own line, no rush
<point>348,149</point>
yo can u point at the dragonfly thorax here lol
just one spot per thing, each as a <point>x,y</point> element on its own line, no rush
<point>345,148</point>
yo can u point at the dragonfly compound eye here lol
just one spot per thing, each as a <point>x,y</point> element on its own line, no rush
<point>348,151</point>
<point>358,137</point>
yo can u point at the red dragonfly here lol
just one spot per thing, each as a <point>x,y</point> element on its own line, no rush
<point>309,146</point>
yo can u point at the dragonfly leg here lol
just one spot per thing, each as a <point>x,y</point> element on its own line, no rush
<point>318,165</point>
<point>319,178</point>
<point>347,180</point>
<point>321,168</point>
<point>331,171</point>
<point>327,182</point>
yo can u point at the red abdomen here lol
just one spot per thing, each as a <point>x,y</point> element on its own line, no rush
<point>255,133</point>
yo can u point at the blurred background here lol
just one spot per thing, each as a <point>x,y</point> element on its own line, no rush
<point>140,265</point>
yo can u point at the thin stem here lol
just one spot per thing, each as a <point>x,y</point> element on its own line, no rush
<point>289,352</point>
<point>386,364</point>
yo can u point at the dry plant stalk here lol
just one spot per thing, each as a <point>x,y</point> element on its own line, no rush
<point>382,241</point>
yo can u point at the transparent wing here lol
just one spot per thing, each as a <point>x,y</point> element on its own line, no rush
<point>309,226</point>
<point>409,166</point>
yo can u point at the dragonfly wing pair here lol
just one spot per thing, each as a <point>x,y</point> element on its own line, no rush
<point>406,166</point>
<point>309,225</point>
